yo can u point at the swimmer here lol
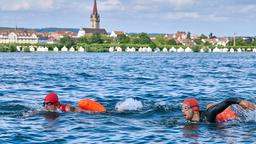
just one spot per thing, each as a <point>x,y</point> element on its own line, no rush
<point>191,111</point>
<point>51,103</point>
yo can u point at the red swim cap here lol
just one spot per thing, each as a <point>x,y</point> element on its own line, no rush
<point>51,97</point>
<point>192,103</point>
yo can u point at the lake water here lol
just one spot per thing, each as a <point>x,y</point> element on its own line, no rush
<point>141,91</point>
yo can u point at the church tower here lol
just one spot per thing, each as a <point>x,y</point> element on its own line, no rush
<point>95,17</point>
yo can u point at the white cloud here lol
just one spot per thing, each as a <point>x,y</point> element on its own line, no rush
<point>182,15</point>
<point>177,2</point>
<point>109,5</point>
<point>104,5</point>
<point>20,5</point>
<point>247,9</point>
<point>182,2</point>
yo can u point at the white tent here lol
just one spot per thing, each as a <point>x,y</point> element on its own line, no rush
<point>172,49</point>
<point>32,49</point>
<point>72,49</point>
<point>165,49</point>
<point>180,49</point>
<point>188,49</point>
<point>81,49</point>
<point>216,50</point>
<point>55,49</point>
<point>231,50</point>
<point>239,50</point>
<point>119,49</point>
<point>64,49</point>
<point>111,49</point>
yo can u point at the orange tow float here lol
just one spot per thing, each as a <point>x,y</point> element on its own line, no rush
<point>91,105</point>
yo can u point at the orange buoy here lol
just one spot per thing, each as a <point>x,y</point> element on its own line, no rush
<point>90,105</point>
<point>227,114</point>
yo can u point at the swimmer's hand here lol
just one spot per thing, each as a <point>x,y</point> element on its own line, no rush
<point>74,109</point>
<point>247,105</point>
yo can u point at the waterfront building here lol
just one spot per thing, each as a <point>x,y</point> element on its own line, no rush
<point>18,36</point>
<point>114,34</point>
<point>95,24</point>
<point>217,41</point>
<point>56,36</point>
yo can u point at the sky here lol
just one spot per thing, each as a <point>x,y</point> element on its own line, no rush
<point>221,17</point>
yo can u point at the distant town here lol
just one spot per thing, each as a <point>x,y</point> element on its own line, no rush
<point>97,39</point>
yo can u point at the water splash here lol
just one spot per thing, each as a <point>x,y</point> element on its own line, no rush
<point>163,106</point>
<point>245,115</point>
<point>129,104</point>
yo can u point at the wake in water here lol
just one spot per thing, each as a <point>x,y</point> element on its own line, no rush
<point>244,115</point>
<point>129,104</point>
<point>149,110</point>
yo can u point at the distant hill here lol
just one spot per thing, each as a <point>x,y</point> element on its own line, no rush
<point>44,29</point>
<point>63,29</point>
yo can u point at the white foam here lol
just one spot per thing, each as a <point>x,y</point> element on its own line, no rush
<point>129,104</point>
<point>163,105</point>
<point>250,116</point>
<point>245,115</point>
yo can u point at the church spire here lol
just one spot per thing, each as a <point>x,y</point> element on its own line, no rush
<point>95,17</point>
<point>95,10</point>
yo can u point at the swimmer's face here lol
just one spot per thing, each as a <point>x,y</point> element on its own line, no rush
<point>187,112</point>
<point>49,106</point>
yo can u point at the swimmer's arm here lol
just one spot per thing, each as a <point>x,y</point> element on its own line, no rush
<point>74,109</point>
<point>247,105</point>
<point>215,110</point>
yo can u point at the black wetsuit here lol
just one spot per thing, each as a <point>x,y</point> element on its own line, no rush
<point>210,114</point>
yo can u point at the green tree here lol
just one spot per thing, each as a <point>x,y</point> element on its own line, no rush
<point>196,48</point>
<point>152,45</point>
<point>198,41</point>
<point>96,38</point>
<point>254,42</point>
<point>142,38</point>
<point>26,49</point>
<point>202,36</point>
<point>67,41</point>
<point>107,39</point>
<point>239,42</point>
<point>207,44</point>
<point>12,48</point>
<point>122,38</point>
<point>160,40</point>
<point>83,39</point>
<point>171,42</point>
